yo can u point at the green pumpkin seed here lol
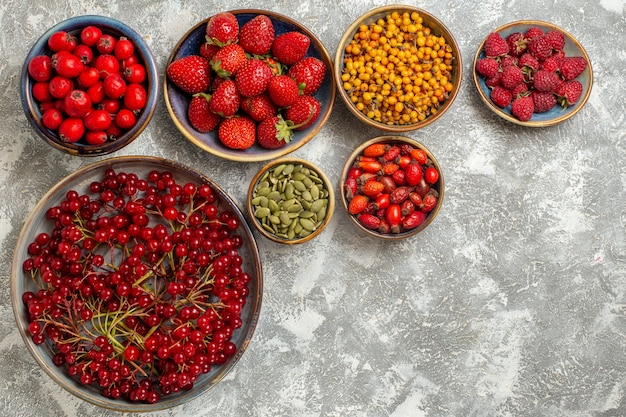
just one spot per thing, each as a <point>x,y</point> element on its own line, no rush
<point>299,185</point>
<point>273,206</point>
<point>261,212</point>
<point>315,192</point>
<point>278,170</point>
<point>284,217</point>
<point>318,204</point>
<point>307,224</point>
<point>263,190</point>
<point>306,214</point>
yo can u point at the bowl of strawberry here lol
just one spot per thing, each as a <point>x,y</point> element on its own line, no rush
<point>532,73</point>
<point>89,85</point>
<point>392,187</point>
<point>136,283</point>
<point>249,85</point>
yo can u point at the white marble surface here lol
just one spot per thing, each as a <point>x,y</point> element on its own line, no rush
<point>512,303</point>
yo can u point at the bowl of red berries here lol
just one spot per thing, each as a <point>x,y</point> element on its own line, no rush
<point>89,85</point>
<point>392,187</point>
<point>136,283</point>
<point>249,85</point>
<point>398,68</point>
<point>532,73</point>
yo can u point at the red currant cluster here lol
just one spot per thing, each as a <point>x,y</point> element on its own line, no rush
<point>91,88</point>
<point>391,187</point>
<point>139,285</point>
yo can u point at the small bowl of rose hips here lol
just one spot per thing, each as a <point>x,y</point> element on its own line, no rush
<point>532,73</point>
<point>398,68</point>
<point>392,187</point>
<point>136,283</point>
<point>89,85</point>
<point>249,85</point>
<point>290,201</point>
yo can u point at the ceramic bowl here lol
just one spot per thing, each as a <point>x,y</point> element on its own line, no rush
<point>290,201</point>
<point>361,108</point>
<point>108,26</point>
<point>38,222</point>
<point>357,172</point>
<point>177,101</point>
<point>557,114</point>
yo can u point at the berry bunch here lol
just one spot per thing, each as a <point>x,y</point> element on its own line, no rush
<point>139,284</point>
<point>530,72</point>
<point>250,84</point>
<point>91,87</point>
<point>391,187</point>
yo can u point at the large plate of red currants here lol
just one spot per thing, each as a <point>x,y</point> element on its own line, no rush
<point>136,283</point>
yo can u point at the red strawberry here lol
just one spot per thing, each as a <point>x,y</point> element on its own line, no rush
<point>512,76</point>
<point>283,90</point>
<point>237,132</point>
<point>222,29</point>
<point>304,112</point>
<point>569,92</point>
<point>572,66</point>
<point>533,32</point>
<point>546,81</point>
<point>252,79</point>
<point>200,116</point>
<point>257,35</point>
<point>208,50</point>
<point>540,47</point>
<point>290,47</point>
<point>225,100</point>
<point>556,39</point>
<point>543,101</point>
<point>501,96</point>
<point>228,60</point>
<point>274,132</point>
<point>259,107</point>
<point>191,73</point>
<point>496,45</point>
<point>523,108</point>
<point>309,74</point>
<point>487,67</point>
<point>517,43</point>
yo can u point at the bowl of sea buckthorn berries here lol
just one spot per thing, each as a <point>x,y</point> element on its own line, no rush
<point>392,187</point>
<point>89,85</point>
<point>249,85</point>
<point>532,73</point>
<point>398,68</point>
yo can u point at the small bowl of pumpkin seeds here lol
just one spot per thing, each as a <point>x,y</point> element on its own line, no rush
<point>290,201</point>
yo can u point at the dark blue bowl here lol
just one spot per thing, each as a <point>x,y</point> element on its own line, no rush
<point>75,25</point>
<point>177,101</point>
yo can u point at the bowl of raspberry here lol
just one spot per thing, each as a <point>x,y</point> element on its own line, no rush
<point>249,85</point>
<point>532,73</point>
<point>398,68</point>
<point>89,85</point>
<point>392,187</point>
<point>136,283</point>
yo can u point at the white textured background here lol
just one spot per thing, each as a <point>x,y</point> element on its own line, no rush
<point>512,303</point>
